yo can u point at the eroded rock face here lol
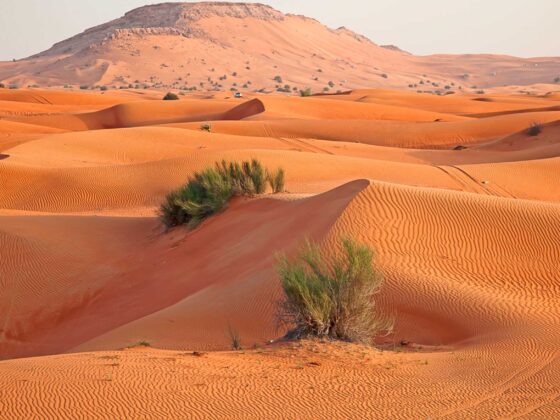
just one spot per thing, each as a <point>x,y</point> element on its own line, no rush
<point>163,19</point>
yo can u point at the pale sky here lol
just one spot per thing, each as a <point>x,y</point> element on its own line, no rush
<point>524,28</point>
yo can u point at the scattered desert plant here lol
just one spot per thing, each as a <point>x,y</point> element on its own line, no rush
<point>276,180</point>
<point>84,87</point>
<point>557,80</point>
<point>535,129</point>
<point>206,127</point>
<point>2,85</point>
<point>234,338</point>
<point>142,343</point>
<point>278,79</point>
<point>208,192</point>
<point>103,88</point>
<point>385,76</point>
<point>204,194</point>
<point>247,178</point>
<point>333,299</point>
<point>305,92</point>
<point>170,96</point>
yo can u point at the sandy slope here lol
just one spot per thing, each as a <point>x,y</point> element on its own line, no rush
<point>468,240</point>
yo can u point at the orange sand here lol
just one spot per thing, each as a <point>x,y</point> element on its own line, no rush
<point>468,241</point>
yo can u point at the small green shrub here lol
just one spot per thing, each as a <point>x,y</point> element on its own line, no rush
<point>103,88</point>
<point>278,79</point>
<point>208,192</point>
<point>305,92</point>
<point>276,180</point>
<point>84,87</point>
<point>535,129</point>
<point>206,127</point>
<point>332,299</point>
<point>170,96</point>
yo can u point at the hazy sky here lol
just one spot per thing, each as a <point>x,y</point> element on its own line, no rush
<point>517,27</point>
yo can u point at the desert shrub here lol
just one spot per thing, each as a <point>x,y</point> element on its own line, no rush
<point>234,338</point>
<point>278,79</point>
<point>2,85</point>
<point>385,76</point>
<point>535,129</point>
<point>332,299</point>
<point>204,194</point>
<point>247,178</point>
<point>557,80</point>
<point>276,180</point>
<point>103,88</point>
<point>305,92</point>
<point>206,127</point>
<point>208,192</point>
<point>170,96</point>
<point>84,87</point>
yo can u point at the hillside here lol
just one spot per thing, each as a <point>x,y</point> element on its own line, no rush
<point>222,46</point>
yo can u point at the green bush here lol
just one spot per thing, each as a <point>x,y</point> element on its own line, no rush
<point>276,180</point>
<point>206,127</point>
<point>208,192</point>
<point>332,299</point>
<point>170,96</point>
<point>247,178</point>
<point>305,92</point>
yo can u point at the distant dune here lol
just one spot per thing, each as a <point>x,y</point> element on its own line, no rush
<point>249,47</point>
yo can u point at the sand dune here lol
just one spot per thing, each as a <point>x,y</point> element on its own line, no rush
<point>467,240</point>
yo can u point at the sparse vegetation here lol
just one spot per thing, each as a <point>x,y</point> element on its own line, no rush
<point>333,298</point>
<point>2,85</point>
<point>208,192</point>
<point>278,79</point>
<point>535,129</point>
<point>305,92</point>
<point>557,79</point>
<point>142,343</point>
<point>170,96</point>
<point>276,180</point>
<point>84,87</point>
<point>234,337</point>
